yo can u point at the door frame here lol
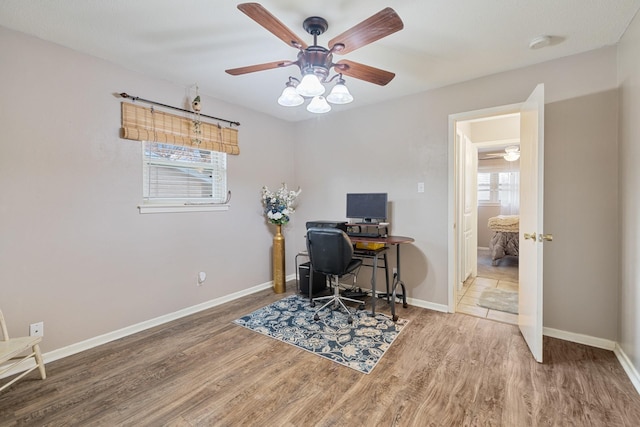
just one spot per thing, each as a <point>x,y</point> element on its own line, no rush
<point>454,188</point>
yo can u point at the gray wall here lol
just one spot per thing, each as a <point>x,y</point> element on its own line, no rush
<point>484,232</point>
<point>581,211</point>
<point>74,251</point>
<point>629,181</point>
<point>392,146</point>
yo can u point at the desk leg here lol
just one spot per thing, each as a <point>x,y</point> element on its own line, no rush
<point>397,281</point>
<point>373,286</point>
<point>386,273</point>
<point>386,295</point>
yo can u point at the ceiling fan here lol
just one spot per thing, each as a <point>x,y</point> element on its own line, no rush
<point>511,154</point>
<point>315,62</point>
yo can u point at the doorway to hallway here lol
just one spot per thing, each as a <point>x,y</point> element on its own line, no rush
<point>490,294</point>
<point>488,209</point>
<point>463,220</point>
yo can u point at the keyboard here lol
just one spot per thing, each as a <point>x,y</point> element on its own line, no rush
<point>351,234</point>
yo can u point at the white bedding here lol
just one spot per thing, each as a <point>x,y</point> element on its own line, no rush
<point>505,223</point>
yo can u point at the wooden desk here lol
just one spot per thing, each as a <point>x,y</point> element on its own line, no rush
<point>375,254</point>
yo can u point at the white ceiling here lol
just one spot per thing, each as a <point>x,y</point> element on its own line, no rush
<point>443,41</point>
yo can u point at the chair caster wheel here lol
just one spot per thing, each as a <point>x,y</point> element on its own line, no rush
<point>316,317</point>
<point>312,304</point>
<point>361,307</point>
<point>395,317</point>
<point>350,320</point>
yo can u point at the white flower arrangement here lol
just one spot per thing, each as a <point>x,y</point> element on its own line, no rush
<point>279,205</point>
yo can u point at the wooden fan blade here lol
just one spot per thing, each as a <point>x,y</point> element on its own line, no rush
<point>263,17</point>
<point>380,25</point>
<point>258,67</point>
<point>364,72</point>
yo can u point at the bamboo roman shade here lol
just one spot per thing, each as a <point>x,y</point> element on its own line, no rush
<point>147,124</point>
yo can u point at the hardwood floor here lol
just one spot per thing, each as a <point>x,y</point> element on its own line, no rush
<point>443,370</point>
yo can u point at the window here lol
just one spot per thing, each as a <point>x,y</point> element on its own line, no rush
<point>485,187</point>
<point>183,176</point>
<point>497,187</point>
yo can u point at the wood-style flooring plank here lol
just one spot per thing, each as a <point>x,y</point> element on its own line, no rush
<point>442,370</point>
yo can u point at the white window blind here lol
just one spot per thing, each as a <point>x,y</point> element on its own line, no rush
<point>179,174</point>
<point>500,188</point>
<point>484,187</point>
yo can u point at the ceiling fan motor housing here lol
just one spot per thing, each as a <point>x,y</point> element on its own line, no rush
<point>316,60</point>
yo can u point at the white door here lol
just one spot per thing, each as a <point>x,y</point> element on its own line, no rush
<point>471,209</point>
<point>468,195</point>
<point>531,220</point>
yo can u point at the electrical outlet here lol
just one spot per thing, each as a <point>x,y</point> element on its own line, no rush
<point>36,329</point>
<point>395,271</point>
<point>421,187</point>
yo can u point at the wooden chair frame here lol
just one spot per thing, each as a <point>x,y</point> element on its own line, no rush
<point>14,349</point>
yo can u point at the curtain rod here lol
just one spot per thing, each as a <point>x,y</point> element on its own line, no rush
<point>137,98</point>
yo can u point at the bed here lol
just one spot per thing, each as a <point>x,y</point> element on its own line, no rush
<point>505,236</point>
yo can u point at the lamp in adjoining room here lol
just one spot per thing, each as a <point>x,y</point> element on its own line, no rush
<point>512,154</point>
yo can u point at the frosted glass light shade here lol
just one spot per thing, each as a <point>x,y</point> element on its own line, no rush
<point>318,105</point>
<point>310,86</point>
<point>290,97</point>
<point>340,95</point>
<point>513,153</point>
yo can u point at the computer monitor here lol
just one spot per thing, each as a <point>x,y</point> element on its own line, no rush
<point>367,207</point>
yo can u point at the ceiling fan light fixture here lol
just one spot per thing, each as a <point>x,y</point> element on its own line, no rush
<point>512,157</point>
<point>340,94</point>
<point>290,97</point>
<point>319,105</point>
<point>315,62</point>
<point>310,86</point>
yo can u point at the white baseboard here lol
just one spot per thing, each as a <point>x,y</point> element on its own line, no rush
<point>138,327</point>
<point>580,338</point>
<point>628,367</point>
<point>428,304</point>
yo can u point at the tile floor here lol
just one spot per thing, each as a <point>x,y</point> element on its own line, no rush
<point>471,290</point>
<point>503,276</point>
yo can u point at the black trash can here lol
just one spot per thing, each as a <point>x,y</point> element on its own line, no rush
<point>319,280</point>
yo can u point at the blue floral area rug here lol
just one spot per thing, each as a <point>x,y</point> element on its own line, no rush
<point>359,345</point>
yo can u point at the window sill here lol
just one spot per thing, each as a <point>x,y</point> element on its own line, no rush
<point>168,208</point>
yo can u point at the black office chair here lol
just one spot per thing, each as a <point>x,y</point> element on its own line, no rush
<point>331,253</point>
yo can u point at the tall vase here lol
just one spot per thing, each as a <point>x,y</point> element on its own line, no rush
<point>279,285</point>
